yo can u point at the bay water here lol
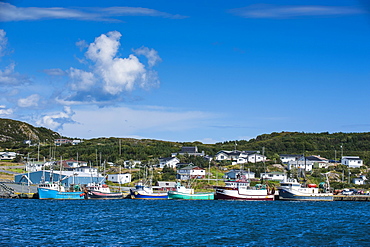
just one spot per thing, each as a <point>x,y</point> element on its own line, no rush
<point>182,223</point>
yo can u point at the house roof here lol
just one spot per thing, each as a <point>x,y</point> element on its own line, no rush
<point>167,159</point>
<point>315,158</point>
<point>191,168</point>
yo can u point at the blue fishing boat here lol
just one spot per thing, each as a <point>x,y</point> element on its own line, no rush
<point>57,191</point>
<point>146,192</point>
<point>292,190</point>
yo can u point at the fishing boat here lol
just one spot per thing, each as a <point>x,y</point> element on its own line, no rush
<point>101,191</point>
<point>241,190</point>
<point>49,190</point>
<point>184,193</point>
<point>142,191</point>
<point>290,189</point>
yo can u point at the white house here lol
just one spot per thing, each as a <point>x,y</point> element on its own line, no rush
<point>190,172</point>
<point>7,155</point>
<point>277,176</point>
<point>240,157</point>
<point>352,161</point>
<point>285,158</point>
<point>169,162</point>
<point>88,170</point>
<point>131,163</point>
<point>306,163</point>
<point>120,178</point>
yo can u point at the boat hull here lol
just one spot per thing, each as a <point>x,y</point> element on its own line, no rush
<point>102,195</point>
<point>187,196</point>
<point>295,196</point>
<point>148,196</point>
<point>245,195</point>
<point>58,195</point>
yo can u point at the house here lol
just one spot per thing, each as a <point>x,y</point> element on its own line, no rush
<point>306,163</point>
<point>169,162</point>
<point>285,158</point>
<point>239,174</point>
<point>59,142</point>
<point>76,142</point>
<point>189,151</point>
<point>7,155</point>
<point>190,172</point>
<point>131,163</point>
<point>352,161</point>
<point>165,185</point>
<point>85,169</point>
<point>276,176</point>
<point>34,166</point>
<point>120,178</point>
<point>240,157</point>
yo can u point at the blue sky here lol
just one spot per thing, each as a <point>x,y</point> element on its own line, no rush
<point>206,71</point>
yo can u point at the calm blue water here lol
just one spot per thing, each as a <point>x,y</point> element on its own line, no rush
<point>189,223</point>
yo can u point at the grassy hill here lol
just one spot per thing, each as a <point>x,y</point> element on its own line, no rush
<point>13,133</point>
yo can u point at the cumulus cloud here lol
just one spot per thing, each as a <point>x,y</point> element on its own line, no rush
<point>81,80</point>
<point>12,13</point>
<point>150,54</point>
<point>293,11</point>
<point>5,111</point>
<point>31,100</point>
<point>55,121</point>
<point>111,75</point>
<point>3,42</point>
<point>9,77</point>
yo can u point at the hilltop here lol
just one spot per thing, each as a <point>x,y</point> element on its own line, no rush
<point>13,133</point>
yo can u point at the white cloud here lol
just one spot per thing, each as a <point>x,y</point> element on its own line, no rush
<point>12,13</point>
<point>57,120</point>
<point>3,42</point>
<point>81,80</point>
<point>292,11</point>
<point>9,77</point>
<point>150,54</point>
<point>111,74</point>
<point>31,100</point>
<point>5,111</point>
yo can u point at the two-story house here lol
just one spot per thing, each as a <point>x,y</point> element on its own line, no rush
<point>190,172</point>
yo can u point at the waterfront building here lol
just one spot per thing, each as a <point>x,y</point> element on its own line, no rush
<point>67,178</point>
<point>120,178</point>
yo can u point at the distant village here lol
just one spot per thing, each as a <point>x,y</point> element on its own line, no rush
<point>77,171</point>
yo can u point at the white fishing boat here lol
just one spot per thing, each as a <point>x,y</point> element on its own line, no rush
<point>184,193</point>
<point>241,190</point>
<point>290,189</point>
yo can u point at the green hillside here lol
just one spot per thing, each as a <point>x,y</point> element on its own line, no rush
<point>328,145</point>
<point>13,133</point>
